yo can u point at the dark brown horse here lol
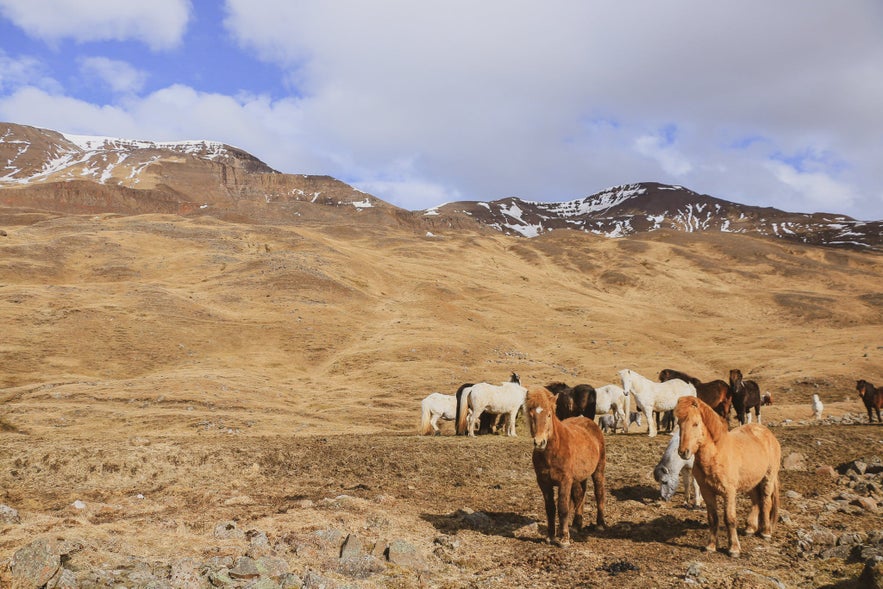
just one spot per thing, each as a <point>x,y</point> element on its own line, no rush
<point>745,394</point>
<point>716,393</point>
<point>565,455</point>
<point>573,401</point>
<point>488,422</point>
<point>872,397</point>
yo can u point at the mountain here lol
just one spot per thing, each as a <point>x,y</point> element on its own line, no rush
<point>649,206</point>
<point>63,173</point>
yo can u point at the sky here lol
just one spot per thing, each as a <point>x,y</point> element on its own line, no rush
<point>421,103</point>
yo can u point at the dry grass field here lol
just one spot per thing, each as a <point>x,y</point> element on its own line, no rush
<point>172,374</point>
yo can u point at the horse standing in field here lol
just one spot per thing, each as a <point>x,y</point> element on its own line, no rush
<point>565,455</point>
<point>611,397</point>
<point>671,469</point>
<point>745,459</point>
<point>503,399</point>
<point>715,393</point>
<point>872,397</point>
<point>573,401</point>
<point>488,422</point>
<point>654,396</point>
<point>746,395</point>
<point>434,407</point>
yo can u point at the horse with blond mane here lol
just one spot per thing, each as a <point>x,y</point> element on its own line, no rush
<point>565,455</point>
<point>745,459</point>
<point>434,407</point>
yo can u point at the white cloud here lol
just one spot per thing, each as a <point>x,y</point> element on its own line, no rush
<point>160,24</point>
<point>119,76</point>
<point>23,71</point>
<point>669,158</point>
<point>817,189</point>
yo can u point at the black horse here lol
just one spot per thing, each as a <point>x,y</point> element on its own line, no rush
<point>573,401</point>
<point>746,395</point>
<point>872,397</point>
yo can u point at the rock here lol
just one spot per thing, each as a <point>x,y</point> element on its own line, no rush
<point>404,554</point>
<point>63,579</point>
<point>34,564</point>
<point>872,574</point>
<point>227,531</point>
<point>750,579</point>
<point>291,581</point>
<point>185,574</point>
<point>245,568</point>
<point>823,537</point>
<point>826,470</point>
<point>866,503</point>
<point>313,580</point>
<point>352,547</point>
<point>9,515</point>
<point>794,461</point>
<point>694,575</point>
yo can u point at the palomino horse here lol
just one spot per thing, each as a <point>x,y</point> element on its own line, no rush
<point>671,469</point>
<point>609,398</point>
<point>565,455</point>
<point>872,397</point>
<point>573,401</point>
<point>745,459</point>
<point>746,394</point>
<point>716,393</point>
<point>654,396</point>
<point>503,399</point>
<point>434,407</point>
<point>488,421</point>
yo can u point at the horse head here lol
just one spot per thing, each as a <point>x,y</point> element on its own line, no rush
<point>691,426</point>
<point>539,407</point>
<point>736,379</point>
<point>515,378</point>
<point>665,374</point>
<point>860,386</point>
<point>626,375</point>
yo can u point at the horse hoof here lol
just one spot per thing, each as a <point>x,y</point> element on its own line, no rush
<point>711,548</point>
<point>735,553</point>
<point>562,543</point>
<point>766,536</point>
<point>750,530</point>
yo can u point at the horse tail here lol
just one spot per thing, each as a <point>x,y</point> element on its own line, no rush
<point>462,409</point>
<point>774,504</point>
<point>457,428</point>
<point>425,425</point>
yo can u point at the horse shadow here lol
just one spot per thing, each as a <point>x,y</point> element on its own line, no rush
<point>644,493</point>
<point>489,523</point>
<point>665,529</point>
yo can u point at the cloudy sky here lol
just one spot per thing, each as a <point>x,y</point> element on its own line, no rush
<point>419,103</point>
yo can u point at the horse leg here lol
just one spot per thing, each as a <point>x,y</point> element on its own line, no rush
<point>470,421</point>
<point>578,499</point>
<point>433,421</point>
<point>565,512</point>
<point>600,496</point>
<point>549,502</point>
<point>711,508</point>
<point>769,507</point>
<point>510,429</point>
<point>651,424</point>
<point>730,522</point>
<point>755,511</point>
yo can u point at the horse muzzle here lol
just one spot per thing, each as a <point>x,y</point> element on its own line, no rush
<point>540,444</point>
<point>685,454</point>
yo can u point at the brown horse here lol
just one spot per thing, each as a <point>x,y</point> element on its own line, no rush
<point>565,455</point>
<point>716,392</point>
<point>872,397</point>
<point>746,395</point>
<point>745,459</point>
<point>573,401</point>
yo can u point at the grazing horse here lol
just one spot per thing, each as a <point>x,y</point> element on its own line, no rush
<point>488,421</point>
<point>434,407</point>
<point>609,398</point>
<point>745,459</point>
<point>573,401</point>
<point>672,468</point>
<point>746,395</point>
<point>716,393</point>
<point>565,455</point>
<point>503,399</point>
<point>654,396</point>
<point>872,397</point>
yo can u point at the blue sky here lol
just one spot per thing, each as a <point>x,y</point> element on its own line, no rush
<point>420,103</point>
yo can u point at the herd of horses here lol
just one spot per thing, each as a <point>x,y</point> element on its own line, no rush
<point>569,446</point>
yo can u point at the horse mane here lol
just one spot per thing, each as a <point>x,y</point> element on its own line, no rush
<point>539,397</point>
<point>714,423</point>
<point>683,376</point>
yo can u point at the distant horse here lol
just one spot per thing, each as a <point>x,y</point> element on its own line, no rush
<point>488,421</point>
<point>716,392</point>
<point>671,469</point>
<point>745,459</point>
<point>872,397</point>
<point>573,401</point>
<point>654,396</point>
<point>767,398</point>
<point>746,395</point>
<point>503,399</point>
<point>609,398</point>
<point>434,407</point>
<point>565,455</point>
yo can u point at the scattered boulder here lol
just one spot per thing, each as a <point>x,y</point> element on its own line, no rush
<point>9,515</point>
<point>33,565</point>
<point>794,461</point>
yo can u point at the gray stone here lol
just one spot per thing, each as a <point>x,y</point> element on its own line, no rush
<point>794,461</point>
<point>63,579</point>
<point>227,531</point>
<point>245,568</point>
<point>185,574</point>
<point>9,515</point>
<point>872,574</point>
<point>34,564</point>
<point>352,547</point>
<point>404,554</point>
<point>290,581</point>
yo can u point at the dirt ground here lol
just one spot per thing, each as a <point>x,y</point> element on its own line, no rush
<point>165,376</point>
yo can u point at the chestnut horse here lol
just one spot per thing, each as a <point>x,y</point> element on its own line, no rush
<point>716,392</point>
<point>745,459</point>
<point>565,455</point>
<point>746,395</point>
<point>872,397</point>
<point>573,401</point>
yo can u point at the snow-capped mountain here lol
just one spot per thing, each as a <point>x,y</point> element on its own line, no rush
<point>649,206</point>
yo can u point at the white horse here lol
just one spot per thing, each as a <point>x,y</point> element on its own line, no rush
<point>653,396</point>
<point>434,407</point>
<point>503,399</point>
<point>671,469</point>
<point>609,398</point>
